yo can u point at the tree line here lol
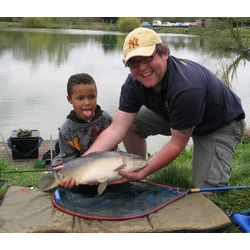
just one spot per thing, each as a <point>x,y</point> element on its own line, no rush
<point>235,21</point>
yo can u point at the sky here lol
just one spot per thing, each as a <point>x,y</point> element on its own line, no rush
<point>142,8</point>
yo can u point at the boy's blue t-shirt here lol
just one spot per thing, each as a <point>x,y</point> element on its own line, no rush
<point>191,96</point>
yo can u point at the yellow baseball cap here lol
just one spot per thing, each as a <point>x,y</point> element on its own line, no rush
<point>140,42</point>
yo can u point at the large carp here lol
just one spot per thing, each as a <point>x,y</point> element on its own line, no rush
<point>98,167</point>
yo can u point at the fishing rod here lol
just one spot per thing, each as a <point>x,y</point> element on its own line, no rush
<point>214,189</point>
<point>27,171</point>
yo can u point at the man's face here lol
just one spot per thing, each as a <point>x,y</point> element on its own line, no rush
<point>149,73</point>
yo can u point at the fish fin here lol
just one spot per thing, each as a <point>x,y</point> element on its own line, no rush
<point>120,167</point>
<point>47,182</point>
<point>101,187</point>
<point>104,179</point>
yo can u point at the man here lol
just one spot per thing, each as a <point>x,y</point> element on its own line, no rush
<point>177,97</point>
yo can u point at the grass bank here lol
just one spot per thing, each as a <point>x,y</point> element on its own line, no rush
<point>177,174</point>
<point>87,26</point>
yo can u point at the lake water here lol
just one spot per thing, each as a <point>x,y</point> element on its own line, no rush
<point>36,64</point>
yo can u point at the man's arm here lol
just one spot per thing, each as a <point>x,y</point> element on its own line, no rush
<point>166,155</point>
<point>113,134</point>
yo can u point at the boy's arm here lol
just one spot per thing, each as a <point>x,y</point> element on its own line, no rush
<point>67,152</point>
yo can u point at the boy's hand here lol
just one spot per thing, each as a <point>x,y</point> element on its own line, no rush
<point>58,167</point>
<point>68,183</point>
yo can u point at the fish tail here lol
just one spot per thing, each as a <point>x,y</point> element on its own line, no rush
<point>47,182</point>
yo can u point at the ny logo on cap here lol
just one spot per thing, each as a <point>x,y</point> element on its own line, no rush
<point>133,43</point>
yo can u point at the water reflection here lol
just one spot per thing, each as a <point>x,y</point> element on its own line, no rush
<point>35,65</point>
<point>35,45</point>
<point>109,43</point>
<point>229,68</point>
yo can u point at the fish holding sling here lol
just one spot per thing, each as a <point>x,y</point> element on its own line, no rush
<point>98,167</point>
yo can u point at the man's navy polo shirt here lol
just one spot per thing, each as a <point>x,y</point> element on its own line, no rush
<point>191,96</point>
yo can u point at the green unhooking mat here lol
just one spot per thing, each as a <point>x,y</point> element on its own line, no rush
<point>30,210</point>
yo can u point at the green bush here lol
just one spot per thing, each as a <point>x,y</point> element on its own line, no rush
<point>37,22</point>
<point>127,24</point>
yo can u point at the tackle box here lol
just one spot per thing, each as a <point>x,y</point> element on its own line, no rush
<point>25,147</point>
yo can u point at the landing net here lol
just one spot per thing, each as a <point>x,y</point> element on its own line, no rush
<point>118,202</point>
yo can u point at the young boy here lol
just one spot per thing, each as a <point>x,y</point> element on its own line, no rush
<point>84,123</point>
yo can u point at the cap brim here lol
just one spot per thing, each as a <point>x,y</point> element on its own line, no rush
<point>144,51</point>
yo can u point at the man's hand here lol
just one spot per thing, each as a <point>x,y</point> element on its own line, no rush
<point>132,176</point>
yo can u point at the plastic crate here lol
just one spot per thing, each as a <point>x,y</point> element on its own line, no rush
<point>25,147</point>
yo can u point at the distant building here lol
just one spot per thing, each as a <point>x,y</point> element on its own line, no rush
<point>204,22</point>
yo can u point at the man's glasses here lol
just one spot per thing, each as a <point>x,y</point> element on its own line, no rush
<point>136,63</point>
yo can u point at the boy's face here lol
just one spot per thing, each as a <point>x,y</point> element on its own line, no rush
<point>83,99</point>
